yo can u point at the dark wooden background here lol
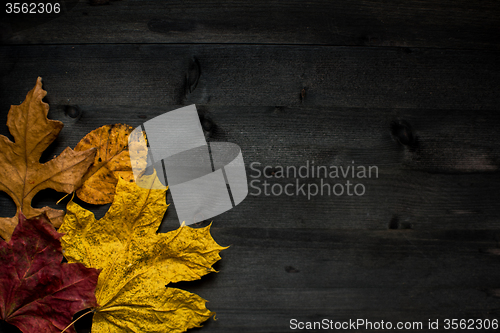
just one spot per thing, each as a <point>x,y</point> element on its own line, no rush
<point>409,86</point>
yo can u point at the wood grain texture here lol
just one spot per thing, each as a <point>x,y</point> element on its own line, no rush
<point>243,75</point>
<point>341,275</point>
<point>410,87</point>
<point>448,181</point>
<point>269,276</point>
<point>443,24</point>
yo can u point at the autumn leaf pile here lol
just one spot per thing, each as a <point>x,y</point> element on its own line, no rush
<point>118,267</point>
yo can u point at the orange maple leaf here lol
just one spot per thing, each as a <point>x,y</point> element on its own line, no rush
<point>22,175</point>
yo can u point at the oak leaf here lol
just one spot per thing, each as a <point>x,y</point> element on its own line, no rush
<point>111,161</point>
<point>138,264</point>
<point>37,292</point>
<point>22,175</point>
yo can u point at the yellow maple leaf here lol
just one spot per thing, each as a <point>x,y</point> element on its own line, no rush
<point>137,263</point>
<point>22,175</point>
<point>111,161</point>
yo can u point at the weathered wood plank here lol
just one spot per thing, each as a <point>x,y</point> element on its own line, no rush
<point>269,276</point>
<point>435,141</point>
<point>443,24</point>
<point>420,105</point>
<point>398,201</point>
<point>246,75</point>
<point>448,181</point>
<point>279,274</point>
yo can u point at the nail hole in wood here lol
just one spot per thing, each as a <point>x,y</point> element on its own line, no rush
<point>303,93</point>
<point>72,111</point>
<point>394,223</point>
<point>193,75</point>
<point>291,269</point>
<point>402,132</point>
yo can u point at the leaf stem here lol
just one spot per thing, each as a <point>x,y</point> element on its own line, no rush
<point>74,321</point>
<point>57,203</point>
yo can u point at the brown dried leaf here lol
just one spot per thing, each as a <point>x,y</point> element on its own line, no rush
<point>22,175</point>
<point>111,161</point>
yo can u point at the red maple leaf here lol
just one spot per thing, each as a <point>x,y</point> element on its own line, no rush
<point>38,293</point>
